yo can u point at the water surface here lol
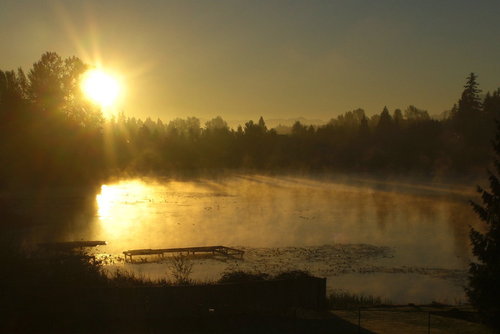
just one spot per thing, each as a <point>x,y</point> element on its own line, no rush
<point>422,227</point>
<point>427,225</point>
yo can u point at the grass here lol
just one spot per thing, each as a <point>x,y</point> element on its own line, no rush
<point>124,278</point>
<point>341,299</point>
<point>246,276</point>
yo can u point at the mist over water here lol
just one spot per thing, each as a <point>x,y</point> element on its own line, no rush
<point>405,241</point>
<point>427,225</point>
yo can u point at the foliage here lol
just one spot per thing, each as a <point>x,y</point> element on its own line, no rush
<point>50,135</point>
<point>484,290</point>
<point>245,276</point>
<point>409,142</point>
<point>386,122</point>
<point>123,278</point>
<point>470,102</point>
<point>414,114</point>
<point>293,274</point>
<point>180,267</point>
<point>341,299</point>
<point>242,276</point>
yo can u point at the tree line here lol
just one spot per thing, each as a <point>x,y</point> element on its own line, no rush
<point>397,142</point>
<point>50,134</point>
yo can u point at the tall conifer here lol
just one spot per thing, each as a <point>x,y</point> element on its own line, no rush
<point>484,274</point>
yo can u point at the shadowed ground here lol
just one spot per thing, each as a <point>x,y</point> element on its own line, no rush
<point>415,319</point>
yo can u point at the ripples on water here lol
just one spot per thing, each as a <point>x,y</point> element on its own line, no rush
<point>424,225</point>
<point>258,211</point>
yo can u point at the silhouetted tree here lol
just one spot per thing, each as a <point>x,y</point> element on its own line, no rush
<point>491,106</point>
<point>364,129</point>
<point>298,129</point>
<point>484,275</point>
<point>49,130</point>
<point>188,128</point>
<point>470,102</point>
<point>397,117</point>
<point>217,145</point>
<point>216,124</point>
<point>255,130</point>
<point>468,117</point>
<point>12,99</point>
<point>385,122</point>
<point>413,114</point>
<point>262,124</point>
<point>470,129</point>
<point>53,132</point>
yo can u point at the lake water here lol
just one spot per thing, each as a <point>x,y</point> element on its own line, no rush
<point>404,241</point>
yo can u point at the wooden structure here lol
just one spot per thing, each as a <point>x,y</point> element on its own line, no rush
<point>70,245</point>
<point>213,250</point>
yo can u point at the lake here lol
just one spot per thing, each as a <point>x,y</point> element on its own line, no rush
<point>400,240</point>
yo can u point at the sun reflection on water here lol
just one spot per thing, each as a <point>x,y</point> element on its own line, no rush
<point>119,208</point>
<point>426,227</point>
<point>105,201</point>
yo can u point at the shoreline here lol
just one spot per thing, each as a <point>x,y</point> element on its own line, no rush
<point>358,268</point>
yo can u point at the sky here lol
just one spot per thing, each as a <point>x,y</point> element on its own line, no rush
<point>276,59</point>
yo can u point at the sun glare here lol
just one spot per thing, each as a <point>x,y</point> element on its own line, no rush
<point>100,87</point>
<point>120,208</point>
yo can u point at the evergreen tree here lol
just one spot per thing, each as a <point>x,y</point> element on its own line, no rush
<point>470,102</point>
<point>298,129</point>
<point>385,123</point>
<point>470,124</point>
<point>484,275</point>
<point>467,114</point>
<point>262,124</point>
<point>397,117</point>
<point>491,105</point>
<point>364,129</point>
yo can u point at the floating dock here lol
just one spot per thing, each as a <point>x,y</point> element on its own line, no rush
<point>213,250</point>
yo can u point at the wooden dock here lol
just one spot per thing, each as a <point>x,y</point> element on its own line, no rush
<point>213,250</point>
<point>70,245</point>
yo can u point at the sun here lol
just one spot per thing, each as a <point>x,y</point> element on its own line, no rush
<point>100,87</point>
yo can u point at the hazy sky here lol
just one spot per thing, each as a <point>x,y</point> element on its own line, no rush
<point>279,59</point>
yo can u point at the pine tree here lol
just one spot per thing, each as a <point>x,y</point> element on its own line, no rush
<point>385,123</point>
<point>484,275</point>
<point>491,105</point>
<point>364,130</point>
<point>468,119</point>
<point>262,124</point>
<point>397,116</point>
<point>470,102</point>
